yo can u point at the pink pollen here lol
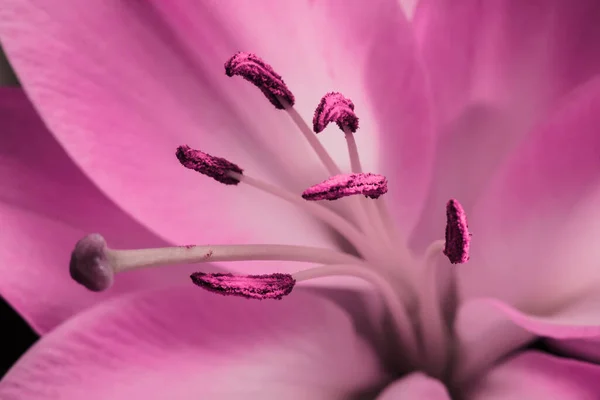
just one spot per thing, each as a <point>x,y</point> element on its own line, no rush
<point>334,107</point>
<point>215,167</point>
<point>338,186</point>
<point>262,75</point>
<point>458,237</point>
<point>270,286</point>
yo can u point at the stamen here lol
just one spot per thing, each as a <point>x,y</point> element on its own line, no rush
<point>457,233</point>
<point>271,286</point>
<point>224,171</point>
<point>336,187</point>
<point>262,75</point>
<point>215,167</point>
<point>334,107</point>
<point>90,265</point>
<point>360,241</point>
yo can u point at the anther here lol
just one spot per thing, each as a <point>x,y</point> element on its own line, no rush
<point>334,107</point>
<point>336,187</point>
<point>255,70</point>
<point>90,265</point>
<point>270,286</point>
<point>458,237</point>
<point>215,167</point>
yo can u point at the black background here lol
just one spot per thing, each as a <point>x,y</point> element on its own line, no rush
<point>17,337</point>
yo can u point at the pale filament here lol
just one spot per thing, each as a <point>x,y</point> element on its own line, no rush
<point>379,226</point>
<point>433,328</point>
<point>396,308</point>
<point>330,165</point>
<point>360,205</point>
<point>359,240</point>
<point>312,139</point>
<point>357,207</point>
<point>126,260</point>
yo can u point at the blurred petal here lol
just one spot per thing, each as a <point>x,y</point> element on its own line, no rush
<point>585,349</point>
<point>506,52</point>
<point>535,230</point>
<point>480,320</point>
<point>46,205</point>
<point>183,343</point>
<point>120,92</point>
<point>415,386</point>
<point>496,69</point>
<point>534,375</point>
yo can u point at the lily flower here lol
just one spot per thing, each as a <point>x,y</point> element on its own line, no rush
<point>438,218</point>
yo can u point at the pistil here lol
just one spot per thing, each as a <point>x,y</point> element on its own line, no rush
<point>93,264</point>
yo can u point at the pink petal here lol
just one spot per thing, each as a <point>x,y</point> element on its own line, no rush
<point>496,69</point>
<point>535,230</point>
<point>506,52</point>
<point>183,343</point>
<point>415,386</point>
<point>534,375</point>
<point>121,91</point>
<point>488,329</point>
<point>46,205</point>
<point>586,349</point>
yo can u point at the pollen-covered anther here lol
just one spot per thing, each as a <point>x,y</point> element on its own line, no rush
<point>90,265</point>
<point>458,237</point>
<point>270,286</point>
<point>338,186</point>
<point>253,69</point>
<point>334,107</point>
<point>215,167</point>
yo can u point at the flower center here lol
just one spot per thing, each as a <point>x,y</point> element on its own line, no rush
<point>407,283</point>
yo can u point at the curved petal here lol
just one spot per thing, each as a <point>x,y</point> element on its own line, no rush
<point>506,51</point>
<point>535,229</point>
<point>46,205</point>
<point>496,70</point>
<point>415,386</point>
<point>535,375</point>
<point>479,322</point>
<point>184,343</point>
<point>120,92</point>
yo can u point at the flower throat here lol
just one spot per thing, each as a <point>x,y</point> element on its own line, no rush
<point>382,258</point>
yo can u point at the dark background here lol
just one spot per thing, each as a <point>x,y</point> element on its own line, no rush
<point>17,337</point>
